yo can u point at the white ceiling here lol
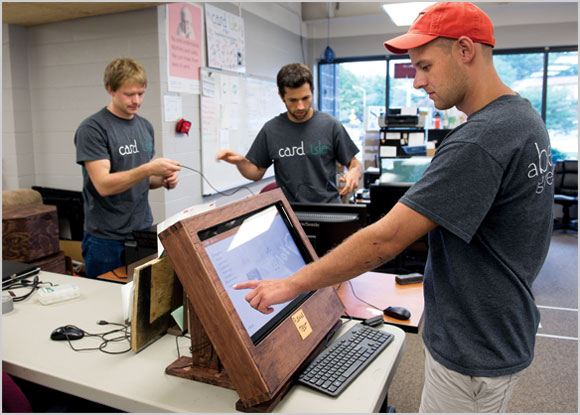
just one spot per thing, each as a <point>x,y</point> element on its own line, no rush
<point>367,18</point>
<point>322,10</point>
<point>347,18</point>
<point>312,11</point>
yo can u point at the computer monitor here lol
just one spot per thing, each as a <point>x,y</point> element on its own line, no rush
<point>403,171</point>
<point>256,238</point>
<point>437,135</point>
<point>397,176</point>
<point>69,208</point>
<point>255,246</point>
<point>328,224</point>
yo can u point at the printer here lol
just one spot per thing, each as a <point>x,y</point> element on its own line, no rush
<point>399,118</point>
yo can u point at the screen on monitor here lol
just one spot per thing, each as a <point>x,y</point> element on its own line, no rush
<point>403,170</point>
<point>255,246</point>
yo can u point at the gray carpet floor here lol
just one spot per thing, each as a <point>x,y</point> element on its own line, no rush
<point>550,384</point>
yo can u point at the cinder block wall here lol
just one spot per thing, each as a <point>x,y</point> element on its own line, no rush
<point>53,79</point>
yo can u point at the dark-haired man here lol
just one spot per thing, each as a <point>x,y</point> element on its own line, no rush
<point>303,144</point>
<point>486,203</point>
<point>115,148</point>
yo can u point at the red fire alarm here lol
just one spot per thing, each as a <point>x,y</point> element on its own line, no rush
<point>183,126</point>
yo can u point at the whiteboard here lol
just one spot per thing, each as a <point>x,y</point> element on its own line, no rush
<point>234,107</point>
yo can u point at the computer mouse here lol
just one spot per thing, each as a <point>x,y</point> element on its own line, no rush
<point>400,313</point>
<point>67,333</point>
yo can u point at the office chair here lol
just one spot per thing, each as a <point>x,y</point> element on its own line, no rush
<point>566,192</point>
<point>268,187</point>
<point>13,399</point>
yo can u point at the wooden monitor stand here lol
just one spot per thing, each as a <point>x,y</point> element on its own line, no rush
<point>205,365</point>
<point>260,370</point>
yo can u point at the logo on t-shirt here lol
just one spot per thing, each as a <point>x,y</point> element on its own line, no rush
<point>132,148</point>
<point>128,149</point>
<point>148,146</point>
<point>543,169</point>
<point>316,150</point>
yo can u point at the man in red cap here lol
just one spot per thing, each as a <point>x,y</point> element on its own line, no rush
<point>486,203</point>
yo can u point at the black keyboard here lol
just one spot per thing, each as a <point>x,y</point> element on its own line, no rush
<point>338,365</point>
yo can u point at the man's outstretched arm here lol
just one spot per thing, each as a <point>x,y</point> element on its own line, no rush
<point>361,252</point>
<point>246,168</point>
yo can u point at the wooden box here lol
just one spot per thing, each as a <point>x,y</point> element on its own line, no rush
<point>53,263</point>
<point>29,232</point>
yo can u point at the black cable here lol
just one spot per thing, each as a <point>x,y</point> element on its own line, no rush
<point>345,311</point>
<point>22,284</point>
<point>126,336</point>
<point>360,299</point>
<point>29,293</point>
<point>177,344</point>
<point>118,276</point>
<point>217,191</point>
<point>193,350</point>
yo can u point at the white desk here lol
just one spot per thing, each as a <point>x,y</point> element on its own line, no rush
<point>136,382</point>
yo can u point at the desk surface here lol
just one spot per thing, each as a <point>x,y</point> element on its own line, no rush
<point>381,290</point>
<point>117,275</point>
<point>136,382</point>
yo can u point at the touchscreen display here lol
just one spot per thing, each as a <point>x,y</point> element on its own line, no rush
<point>258,246</point>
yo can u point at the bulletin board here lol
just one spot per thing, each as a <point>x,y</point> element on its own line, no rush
<point>234,107</point>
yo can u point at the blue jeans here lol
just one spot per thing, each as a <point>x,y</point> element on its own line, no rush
<point>101,255</point>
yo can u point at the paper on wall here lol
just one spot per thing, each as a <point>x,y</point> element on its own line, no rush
<point>173,107</point>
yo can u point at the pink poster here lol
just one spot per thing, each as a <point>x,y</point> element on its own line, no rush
<point>184,40</point>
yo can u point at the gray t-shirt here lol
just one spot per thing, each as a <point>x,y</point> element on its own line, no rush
<point>489,188</point>
<point>126,144</point>
<point>304,155</point>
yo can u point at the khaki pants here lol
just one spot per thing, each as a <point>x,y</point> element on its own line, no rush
<point>445,390</point>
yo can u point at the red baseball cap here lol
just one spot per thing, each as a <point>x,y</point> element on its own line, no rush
<point>445,19</point>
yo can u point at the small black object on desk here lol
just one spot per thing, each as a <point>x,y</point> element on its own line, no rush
<point>374,321</point>
<point>409,278</point>
<point>400,313</point>
<point>67,333</point>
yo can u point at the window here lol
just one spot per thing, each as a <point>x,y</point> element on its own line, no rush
<point>524,73</point>
<point>353,91</point>
<point>402,94</point>
<point>562,104</point>
<point>401,91</point>
<point>548,78</point>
